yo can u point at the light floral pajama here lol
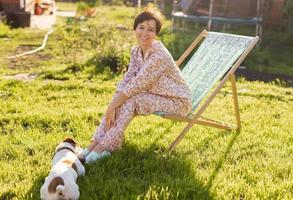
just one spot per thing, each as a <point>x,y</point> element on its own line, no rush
<point>153,83</point>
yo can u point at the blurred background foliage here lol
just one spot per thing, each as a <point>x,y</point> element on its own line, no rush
<point>272,55</point>
<point>99,37</point>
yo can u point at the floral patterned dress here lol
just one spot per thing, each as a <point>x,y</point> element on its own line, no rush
<point>152,83</point>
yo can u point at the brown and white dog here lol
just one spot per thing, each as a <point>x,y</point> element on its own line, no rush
<point>60,184</point>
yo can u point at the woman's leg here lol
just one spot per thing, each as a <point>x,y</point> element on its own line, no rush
<point>140,104</point>
<point>91,146</point>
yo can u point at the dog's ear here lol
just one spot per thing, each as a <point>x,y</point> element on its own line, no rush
<point>54,183</point>
<point>71,141</point>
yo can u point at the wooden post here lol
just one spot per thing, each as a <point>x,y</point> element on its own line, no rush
<point>259,13</point>
<point>173,18</point>
<point>257,16</point>
<point>210,14</point>
<point>226,13</point>
<point>162,5</point>
<point>139,4</point>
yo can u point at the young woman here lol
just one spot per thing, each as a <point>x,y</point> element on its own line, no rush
<point>152,83</point>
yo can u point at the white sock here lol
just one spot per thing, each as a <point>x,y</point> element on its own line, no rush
<point>85,152</point>
<point>82,153</point>
<point>93,156</point>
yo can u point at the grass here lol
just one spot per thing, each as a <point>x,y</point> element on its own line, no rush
<point>209,164</point>
<point>255,163</point>
<point>66,6</point>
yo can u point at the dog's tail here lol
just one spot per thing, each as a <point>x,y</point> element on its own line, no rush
<point>56,184</point>
<point>60,190</point>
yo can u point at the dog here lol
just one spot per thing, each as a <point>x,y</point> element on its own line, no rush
<point>60,184</point>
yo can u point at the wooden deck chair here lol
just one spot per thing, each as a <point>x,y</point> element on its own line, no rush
<point>212,64</point>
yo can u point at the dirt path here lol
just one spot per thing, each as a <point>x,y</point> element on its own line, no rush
<point>47,21</point>
<point>21,77</point>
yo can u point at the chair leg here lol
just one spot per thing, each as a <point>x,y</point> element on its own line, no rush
<point>180,136</point>
<point>235,101</point>
<point>190,124</point>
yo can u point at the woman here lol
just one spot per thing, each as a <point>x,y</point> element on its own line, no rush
<point>152,83</point>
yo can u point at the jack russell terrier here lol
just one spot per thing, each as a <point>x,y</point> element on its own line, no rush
<point>60,184</point>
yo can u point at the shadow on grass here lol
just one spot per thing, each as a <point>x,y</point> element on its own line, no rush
<point>269,97</point>
<point>203,146</point>
<point>7,195</point>
<point>142,173</point>
<point>259,95</point>
<point>150,173</point>
<point>134,173</point>
<point>222,159</point>
<point>34,191</point>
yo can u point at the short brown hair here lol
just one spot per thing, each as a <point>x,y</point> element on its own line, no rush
<point>149,13</point>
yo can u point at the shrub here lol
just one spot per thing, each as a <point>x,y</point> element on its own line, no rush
<point>288,11</point>
<point>87,8</point>
<point>4,30</point>
<point>72,39</point>
<point>91,3</point>
<point>112,47</point>
<point>115,55</point>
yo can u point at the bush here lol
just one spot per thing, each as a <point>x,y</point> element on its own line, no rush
<point>115,56</point>
<point>82,7</point>
<point>91,3</point>
<point>72,39</point>
<point>288,11</point>
<point>113,46</point>
<point>4,30</point>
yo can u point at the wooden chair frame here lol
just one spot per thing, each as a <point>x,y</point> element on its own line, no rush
<point>197,117</point>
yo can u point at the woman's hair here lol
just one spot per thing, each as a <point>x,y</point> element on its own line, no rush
<point>149,13</point>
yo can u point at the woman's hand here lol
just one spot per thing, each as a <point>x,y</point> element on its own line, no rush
<point>110,117</point>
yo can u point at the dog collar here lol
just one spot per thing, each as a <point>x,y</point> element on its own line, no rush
<point>62,148</point>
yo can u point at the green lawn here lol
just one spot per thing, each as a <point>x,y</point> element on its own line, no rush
<point>66,6</point>
<point>255,163</point>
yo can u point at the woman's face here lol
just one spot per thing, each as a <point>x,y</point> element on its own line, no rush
<point>145,33</point>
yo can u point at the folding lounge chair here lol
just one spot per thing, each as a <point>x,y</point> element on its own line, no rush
<point>212,64</point>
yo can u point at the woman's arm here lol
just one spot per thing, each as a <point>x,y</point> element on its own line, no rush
<point>119,97</point>
<point>148,74</point>
<point>117,101</point>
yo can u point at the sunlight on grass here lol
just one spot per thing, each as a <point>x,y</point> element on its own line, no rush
<point>254,163</point>
<point>66,6</point>
<point>69,99</point>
